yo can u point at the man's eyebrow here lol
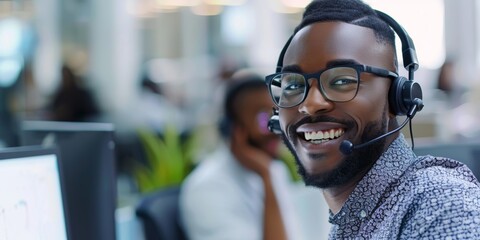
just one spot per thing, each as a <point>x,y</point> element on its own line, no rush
<point>341,62</point>
<point>333,63</point>
<point>292,68</point>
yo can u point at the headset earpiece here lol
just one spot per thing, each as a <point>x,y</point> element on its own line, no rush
<point>274,122</point>
<point>402,95</point>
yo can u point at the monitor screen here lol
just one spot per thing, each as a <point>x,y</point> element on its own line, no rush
<point>31,206</point>
<point>88,163</point>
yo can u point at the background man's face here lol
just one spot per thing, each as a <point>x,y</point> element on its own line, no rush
<point>314,48</point>
<point>254,111</point>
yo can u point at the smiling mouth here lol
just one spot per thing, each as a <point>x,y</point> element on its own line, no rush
<point>318,137</point>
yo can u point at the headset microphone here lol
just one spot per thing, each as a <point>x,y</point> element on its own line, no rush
<point>347,147</point>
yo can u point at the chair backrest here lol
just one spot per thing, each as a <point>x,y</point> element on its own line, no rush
<point>158,212</point>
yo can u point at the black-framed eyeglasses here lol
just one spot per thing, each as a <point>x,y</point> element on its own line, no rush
<point>337,84</point>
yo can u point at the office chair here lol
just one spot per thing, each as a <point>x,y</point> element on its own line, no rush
<point>159,215</point>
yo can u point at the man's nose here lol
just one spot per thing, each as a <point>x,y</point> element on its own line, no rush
<point>315,101</point>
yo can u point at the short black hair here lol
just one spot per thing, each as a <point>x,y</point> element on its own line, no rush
<point>237,86</point>
<point>354,12</point>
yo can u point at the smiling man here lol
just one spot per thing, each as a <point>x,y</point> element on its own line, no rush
<point>335,89</point>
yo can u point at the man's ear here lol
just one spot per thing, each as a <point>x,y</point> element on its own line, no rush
<point>391,115</point>
<point>391,111</point>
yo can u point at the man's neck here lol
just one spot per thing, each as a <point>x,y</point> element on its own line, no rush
<point>337,196</point>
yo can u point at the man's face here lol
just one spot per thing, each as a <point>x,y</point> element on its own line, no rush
<point>365,117</point>
<point>253,115</point>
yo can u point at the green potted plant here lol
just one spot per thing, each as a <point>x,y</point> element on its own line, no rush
<point>169,159</point>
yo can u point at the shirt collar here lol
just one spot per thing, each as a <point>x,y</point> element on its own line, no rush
<point>387,169</point>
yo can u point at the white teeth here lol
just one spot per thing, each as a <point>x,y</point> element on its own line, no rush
<point>319,141</point>
<point>322,136</point>
<point>326,135</point>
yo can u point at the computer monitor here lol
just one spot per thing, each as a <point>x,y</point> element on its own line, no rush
<point>88,157</point>
<point>32,196</point>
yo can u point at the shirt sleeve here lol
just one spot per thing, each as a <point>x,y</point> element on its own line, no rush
<point>447,212</point>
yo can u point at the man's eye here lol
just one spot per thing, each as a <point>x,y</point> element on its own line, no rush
<point>293,90</point>
<point>343,81</point>
<point>293,87</point>
<point>343,84</point>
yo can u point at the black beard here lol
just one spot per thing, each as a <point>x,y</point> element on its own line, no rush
<point>360,161</point>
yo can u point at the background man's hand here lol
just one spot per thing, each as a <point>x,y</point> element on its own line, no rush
<point>249,156</point>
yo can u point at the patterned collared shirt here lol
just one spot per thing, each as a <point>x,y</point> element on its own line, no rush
<point>408,197</point>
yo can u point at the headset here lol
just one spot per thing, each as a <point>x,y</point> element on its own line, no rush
<point>405,95</point>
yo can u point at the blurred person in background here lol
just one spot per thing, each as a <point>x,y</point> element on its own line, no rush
<point>155,110</point>
<point>457,114</point>
<point>242,191</point>
<point>453,92</point>
<point>72,102</point>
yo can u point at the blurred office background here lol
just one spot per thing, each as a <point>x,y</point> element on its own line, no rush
<point>150,66</point>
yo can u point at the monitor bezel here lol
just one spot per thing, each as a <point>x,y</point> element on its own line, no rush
<point>40,127</point>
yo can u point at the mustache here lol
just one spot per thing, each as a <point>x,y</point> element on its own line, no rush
<point>320,118</point>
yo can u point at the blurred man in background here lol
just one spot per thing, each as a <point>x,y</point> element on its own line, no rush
<point>72,101</point>
<point>242,191</point>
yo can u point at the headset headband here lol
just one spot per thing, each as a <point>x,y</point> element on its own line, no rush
<point>410,61</point>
